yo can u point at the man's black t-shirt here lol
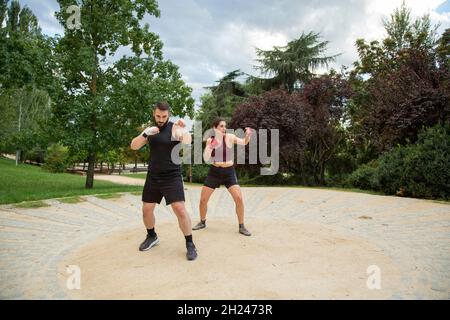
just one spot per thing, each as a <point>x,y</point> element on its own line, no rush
<point>161,144</point>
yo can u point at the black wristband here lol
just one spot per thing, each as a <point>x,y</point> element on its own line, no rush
<point>145,135</point>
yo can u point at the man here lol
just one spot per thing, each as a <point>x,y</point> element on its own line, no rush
<point>164,176</point>
<point>219,149</point>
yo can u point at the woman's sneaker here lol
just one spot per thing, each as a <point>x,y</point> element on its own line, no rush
<point>243,230</point>
<point>199,225</point>
<point>148,243</point>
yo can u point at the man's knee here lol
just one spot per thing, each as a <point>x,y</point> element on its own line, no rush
<point>179,209</point>
<point>147,208</point>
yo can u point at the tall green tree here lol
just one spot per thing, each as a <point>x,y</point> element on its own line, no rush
<point>397,83</point>
<point>403,33</point>
<point>291,66</point>
<point>86,109</point>
<point>25,78</point>
<point>443,49</point>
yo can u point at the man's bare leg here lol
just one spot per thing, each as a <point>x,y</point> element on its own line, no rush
<point>148,217</point>
<point>148,214</point>
<point>184,221</point>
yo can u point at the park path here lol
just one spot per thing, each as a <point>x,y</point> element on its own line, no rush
<point>331,234</point>
<point>120,179</point>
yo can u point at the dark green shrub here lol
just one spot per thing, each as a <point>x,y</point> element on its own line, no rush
<point>426,167</point>
<point>56,159</point>
<point>365,177</point>
<point>419,170</point>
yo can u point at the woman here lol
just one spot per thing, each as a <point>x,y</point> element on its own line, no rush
<point>219,150</point>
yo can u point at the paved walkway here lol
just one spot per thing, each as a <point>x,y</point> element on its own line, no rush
<point>412,235</point>
<point>120,179</point>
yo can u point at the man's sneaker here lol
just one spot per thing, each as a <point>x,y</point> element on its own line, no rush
<point>148,243</point>
<point>191,253</point>
<point>199,226</point>
<point>243,230</point>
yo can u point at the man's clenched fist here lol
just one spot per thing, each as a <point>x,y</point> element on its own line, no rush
<point>180,123</point>
<point>150,131</point>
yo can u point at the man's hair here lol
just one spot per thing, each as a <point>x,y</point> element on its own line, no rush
<point>217,121</point>
<point>163,106</point>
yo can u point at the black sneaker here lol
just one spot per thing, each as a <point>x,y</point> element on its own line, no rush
<point>199,226</point>
<point>191,253</point>
<point>148,243</point>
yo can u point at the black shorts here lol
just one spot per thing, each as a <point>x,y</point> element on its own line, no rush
<point>171,188</point>
<point>217,176</point>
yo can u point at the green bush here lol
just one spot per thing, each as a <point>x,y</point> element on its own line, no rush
<point>391,169</point>
<point>426,167</point>
<point>199,172</point>
<point>56,159</point>
<point>365,177</point>
<point>419,170</point>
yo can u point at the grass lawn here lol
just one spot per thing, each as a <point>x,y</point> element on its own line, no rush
<point>28,183</point>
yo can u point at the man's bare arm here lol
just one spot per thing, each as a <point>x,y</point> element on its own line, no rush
<point>139,141</point>
<point>179,133</point>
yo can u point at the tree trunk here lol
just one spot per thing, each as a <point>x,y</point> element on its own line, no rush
<point>302,168</point>
<point>90,172</point>
<point>101,166</point>
<point>135,162</point>
<point>19,127</point>
<point>322,174</point>
<point>84,165</point>
<point>18,153</point>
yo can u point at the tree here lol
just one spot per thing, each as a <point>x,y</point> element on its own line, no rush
<point>25,79</point>
<point>443,49</point>
<point>325,100</point>
<point>277,109</point>
<point>404,100</point>
<point>88,108</point>
<point>402,34</point>
<point>292,65</point>
<point>398,85</point>
<point>221,99</point>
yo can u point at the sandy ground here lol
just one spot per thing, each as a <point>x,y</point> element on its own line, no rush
<point>282,260</point>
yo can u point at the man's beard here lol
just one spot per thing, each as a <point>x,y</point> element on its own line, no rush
<point>161,124</point>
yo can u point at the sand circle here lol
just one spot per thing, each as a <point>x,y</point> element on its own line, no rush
<point>281,260</point>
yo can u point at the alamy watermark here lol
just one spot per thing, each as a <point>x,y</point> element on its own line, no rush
<point>73,282</point>
<point>73,22</point>
<point>258,151</point>
<point>374,279</point>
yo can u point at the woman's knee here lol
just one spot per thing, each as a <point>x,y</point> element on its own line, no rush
<point>203,201</point>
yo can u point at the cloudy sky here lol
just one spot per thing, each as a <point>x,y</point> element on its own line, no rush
<point>208,38</point>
